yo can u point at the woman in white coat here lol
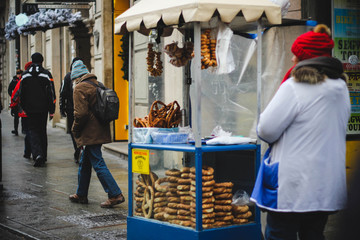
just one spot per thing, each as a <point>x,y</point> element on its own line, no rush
<point>304,180</point>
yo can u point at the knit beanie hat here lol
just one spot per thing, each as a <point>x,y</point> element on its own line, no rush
<point>27,65</point>
<point>37,58</point>
<point>78,69</point>
<point>314,43</point>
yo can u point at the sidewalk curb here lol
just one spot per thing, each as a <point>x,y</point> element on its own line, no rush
<point>17,232</point>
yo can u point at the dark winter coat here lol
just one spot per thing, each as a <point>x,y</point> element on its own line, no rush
<point>87,129</point>
<point>66,96</point>
<point>12,84</point>
<point>37,91</point>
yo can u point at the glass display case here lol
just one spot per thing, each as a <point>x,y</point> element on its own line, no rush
<point>169,158</point>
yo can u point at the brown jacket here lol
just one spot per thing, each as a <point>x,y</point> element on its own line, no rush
<point>86,128</point>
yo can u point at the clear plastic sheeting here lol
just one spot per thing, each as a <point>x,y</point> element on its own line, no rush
<point>230,100</point>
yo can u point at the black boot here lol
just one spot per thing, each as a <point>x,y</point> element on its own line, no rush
<point>39,161</point>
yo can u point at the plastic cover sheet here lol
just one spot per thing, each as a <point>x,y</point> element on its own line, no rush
<point>230,100</point>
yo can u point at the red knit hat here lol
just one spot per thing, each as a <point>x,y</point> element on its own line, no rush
<point>27,65</point>
<point>314,43</point>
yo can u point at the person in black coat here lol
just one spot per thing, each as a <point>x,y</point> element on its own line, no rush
<point>15,110</point>
<point>37,98</point>
<point>67,107</point>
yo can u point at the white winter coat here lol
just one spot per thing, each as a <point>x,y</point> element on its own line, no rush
<point>306,125</point>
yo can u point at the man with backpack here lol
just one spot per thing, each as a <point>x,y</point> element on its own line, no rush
<point>37,99</point>
<point>90,133</point>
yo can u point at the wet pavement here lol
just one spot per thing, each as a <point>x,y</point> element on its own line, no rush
<point>34,202</point>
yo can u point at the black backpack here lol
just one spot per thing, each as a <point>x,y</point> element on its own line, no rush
<point>106,108</point>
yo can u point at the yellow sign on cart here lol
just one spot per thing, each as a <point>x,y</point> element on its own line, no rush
<point>140,161</point>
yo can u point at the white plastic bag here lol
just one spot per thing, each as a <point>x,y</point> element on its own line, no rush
<point>224,57</point>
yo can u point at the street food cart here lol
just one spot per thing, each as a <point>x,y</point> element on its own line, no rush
<point>183,182</point>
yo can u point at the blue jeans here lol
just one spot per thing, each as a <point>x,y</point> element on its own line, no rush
<point>287,226</point>
<point>92,156</point>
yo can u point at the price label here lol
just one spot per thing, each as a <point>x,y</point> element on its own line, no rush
<point>140,161</point>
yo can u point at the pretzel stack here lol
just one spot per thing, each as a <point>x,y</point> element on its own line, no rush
<point>208,50</point>
<point>241,214</point>
<point>172,196</point>
<point>180,56</point>
<point>139,198</point>
<point>144,194</point>
<point>208,215</point>
<point>223,199</point>
<point>151,58</point>
<point>183,213</point>
<point>160,200</point>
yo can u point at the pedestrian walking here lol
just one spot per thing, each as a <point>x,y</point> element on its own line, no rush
<point>90,134</point>
<point>67,107</point>
<point>37,98</point>
<point>14,110</point>
<point>303,178</point>
<point>15,98</point>
<point>314,43</point>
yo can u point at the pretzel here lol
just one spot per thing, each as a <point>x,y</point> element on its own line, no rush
<point>173,172</point>
<point>170,216</point>
<point>160,204</point>
<point>220,190</point>
<point>203,178</point>
<point>173,185</point>
<point>183,187</point>
<point>225,218</point>
<point>171,210</point>
<point>139,199</point>
<point>240,208</point>
<point>140,189</point>
<point>160,188</point>
<point>204,189</point>
<point>183,206</point>
<point>185,170</point>
<point>183,193</point>
<point>223,208</point>
<point>185,175</point>
<point>224,196</point>
<point>160,194</point>
<point>141,184</point>
<point>172,205</point>
<point>248,214</point>
<point>183,212</point>
<point>174,199</point>
<point>222,214</point>
<point>173,179</point>
<point>221,223</point>
<point>159,216</point>
<point>224,184</point>
<point>185,223</point>
<point>138,204</point>
<point>184,217</point>
<point>204,194</point>
<point>148,202</point>
<point>184,181</point>
<point>223,201</point>
<point>240,221</point>
<point>138,209</point>
<point>204,220</point>
<point>138,214</point>
<point>159,199</point>
<point>171,194</point>
<point>138,194</point>
<point>204,184</point>
<point>186,198</point>
<point>204,206</point>
<point>172,190</point>
<point>159,209</point>
<point>206,170</point>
